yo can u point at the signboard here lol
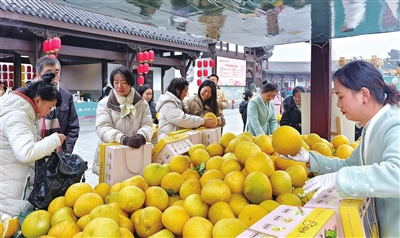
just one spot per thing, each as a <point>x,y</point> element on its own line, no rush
<point>231,72</point>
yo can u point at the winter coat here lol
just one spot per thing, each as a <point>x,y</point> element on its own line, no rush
<point>195,107</point>
<point>153,111</point>
<point>223,102</point>
<point>292,115</point>
<point>261,117</point>
<point>111,127</point>
<point>243,112</point>
<point>373,169</point>
<point>172,116</point>
<point>19,149</point>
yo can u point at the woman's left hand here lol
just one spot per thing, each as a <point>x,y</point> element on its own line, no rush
<point>320,183</point>
<point>219,121</point>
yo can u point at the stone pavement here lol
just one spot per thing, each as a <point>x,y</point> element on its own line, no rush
<point>87,141</point>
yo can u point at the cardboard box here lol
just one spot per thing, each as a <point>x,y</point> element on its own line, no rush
<point>122,162</point>
<point>347,214</point>
<point>278,223</point>
<point>102,153</point>
<point>210,135</point>
<point>320,222</point>
<point>194,136</point>
<point>170,146</point>
<point>172,133</point>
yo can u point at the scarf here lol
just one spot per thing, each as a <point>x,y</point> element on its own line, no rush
<point>126,103</point>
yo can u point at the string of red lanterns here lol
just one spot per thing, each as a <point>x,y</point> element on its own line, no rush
<point>144,67</point>
<point>51,46</point>
<point>203,72</point>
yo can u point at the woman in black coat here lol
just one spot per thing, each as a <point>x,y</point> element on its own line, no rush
<point>292,109</point>
<point>243,106</point>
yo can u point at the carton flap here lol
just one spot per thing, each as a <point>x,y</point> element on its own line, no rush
<point>162,142</point>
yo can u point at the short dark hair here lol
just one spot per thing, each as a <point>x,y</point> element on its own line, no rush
<point>130,79</point>
<point>214,76</point>
<point>212,101</point>
<point>46,61</point>
<point>298,89</point>
<point>177,84</point>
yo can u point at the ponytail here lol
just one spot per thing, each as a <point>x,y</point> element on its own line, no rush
<point>392,95</point>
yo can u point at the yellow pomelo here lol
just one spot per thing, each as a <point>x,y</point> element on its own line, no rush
<point>172,199</point>
<point>243,137</point>
<point>246,133</point>
<point>231,146</point>
<point>344,151</point>
<point>288,199</point>
<point>191,174</point>
<point>229,227</point>
<point>83,221</point>
<point>229,155</point>
<point>64,229</point>
<point>102,227</point>
<point>131,198</point>
<point>157,197</point>
<point>116,187</point>
<point>104,211</point>
<point>199,156</point>
<point>179,163</point>
<point>153,173</point>
<point>103,189</point>
<point>235,181</point>
<point>305,145</point>
<point>304,198</point>
<point>149,221</point>
<point>340,140</point>
<point>278,117</point>
<point>56,204</point>
<point>215,190</point>
<point>286,140</point>
<point>8,226</point>
<point>214,162</point>
<point>126,233</point>
<point>195,206</point>
<point>164,233</point>
<point>36,224</point>
<point>269,205</point>
<point>220,210</point>
<point>174,218</point>
<point>322,148</point>
<point>298,174</point>
<point>210,174</point>
<point>283,163</point>
<point>251,213</point>
<point>63,214</point>
<point>257,187</point>
<point>274,159</point>
<point>172,182</point>
<point>178,203</point>
<point>112,197</point>
<point>355,144</point>
<point>116,206</point>
<point>135,216</point>
<point>135,180</point>
<point>312,139</point>
<point>190,186</point>
<point>261,162</point>
<point>212,116</point>
<point>78,235</point>
<point>280,182</point>
<point>215,149</point>
<point>229,165</point>
<point>86,202</point>
<point>198,227</point>
<point>237,203</point>
<point>193,148</point>
<point>304,137</point>
<point>126,223</point>
<point>329,144</point>
<point>226,138</point>
<point>244,150</point>
<point>75,191</point>
<point>265,143</point>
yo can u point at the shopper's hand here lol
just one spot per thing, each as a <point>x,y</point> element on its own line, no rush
<point>302,156</point>
<point>134,141</point>
<point>208,122</point>
<point>219,121</point>
<point>320,183</point>
<point>62,137</point>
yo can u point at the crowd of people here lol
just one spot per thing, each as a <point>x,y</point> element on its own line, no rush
<point>38,118</point>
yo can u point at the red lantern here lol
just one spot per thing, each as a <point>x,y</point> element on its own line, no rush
<point>46,48</point>
<point>140,69</point>
<point>51,46</point>
<point>146,68</point>
<point>145,56</point>
<point>56,44</point>
<point>199,82</point>
<point>205,72</point>
<point>211,63</point>
<point>140,57</point>
<point>205,63</point>
<point>151,55</point>
<point>199,73</point>
<point>140,80</point>
<point>199,63</point>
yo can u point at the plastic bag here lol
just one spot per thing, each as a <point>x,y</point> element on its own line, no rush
<point>54,175</point>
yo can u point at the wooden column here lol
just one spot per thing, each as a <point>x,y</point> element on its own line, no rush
<point>17,70</point>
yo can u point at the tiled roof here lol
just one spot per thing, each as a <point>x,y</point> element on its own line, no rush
<point>75,16</point>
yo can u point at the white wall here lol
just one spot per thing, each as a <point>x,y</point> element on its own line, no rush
<point>81,77</point>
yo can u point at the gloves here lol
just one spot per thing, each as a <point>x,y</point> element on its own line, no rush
<point>320,183</point>
<point>302,156</point>
<point>134,141</point>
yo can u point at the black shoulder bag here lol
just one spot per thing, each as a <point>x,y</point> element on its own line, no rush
<point>53,176</point>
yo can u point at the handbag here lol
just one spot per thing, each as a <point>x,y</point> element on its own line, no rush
<point>54,174</point>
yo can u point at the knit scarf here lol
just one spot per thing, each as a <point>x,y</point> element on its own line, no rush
<point>126,103</point>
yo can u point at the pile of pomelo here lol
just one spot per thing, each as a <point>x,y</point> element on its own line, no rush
<point>217,190</point>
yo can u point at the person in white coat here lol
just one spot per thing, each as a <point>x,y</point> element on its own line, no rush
<point>19,145</point>
<point>123,116</point>
<point>172,114</point>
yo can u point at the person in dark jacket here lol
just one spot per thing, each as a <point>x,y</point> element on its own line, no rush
<point>292,109</point>
<point>147,94</point>
<point>243,106</point>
